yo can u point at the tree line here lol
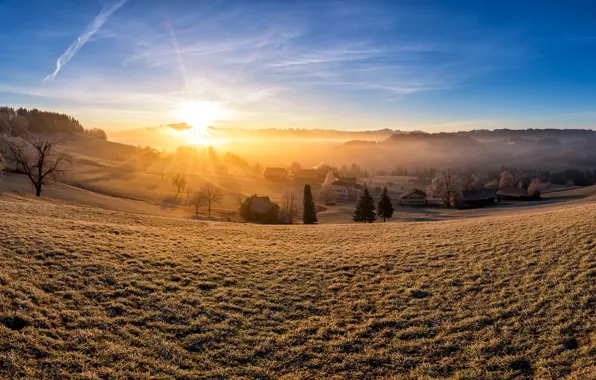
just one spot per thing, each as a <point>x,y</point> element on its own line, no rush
<point>365,210</point>
<point>18,122</point>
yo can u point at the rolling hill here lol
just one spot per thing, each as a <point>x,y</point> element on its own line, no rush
<point>92,293</point>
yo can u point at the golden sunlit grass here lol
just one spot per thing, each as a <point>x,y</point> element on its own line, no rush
<point>87,293</point>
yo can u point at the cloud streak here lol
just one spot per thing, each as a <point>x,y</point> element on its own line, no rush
<point>285,66</point>
<point>91,29</point>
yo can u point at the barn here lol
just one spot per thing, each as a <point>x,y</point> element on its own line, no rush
<point>259,209</point>
<point>514,194</point>
<point>414,197</point>
<point>275,174</point>
<point>475,198</point>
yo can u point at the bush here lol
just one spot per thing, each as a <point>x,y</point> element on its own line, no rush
<point>97,133</point>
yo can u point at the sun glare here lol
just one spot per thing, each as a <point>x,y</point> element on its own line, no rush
<point>199,115</point>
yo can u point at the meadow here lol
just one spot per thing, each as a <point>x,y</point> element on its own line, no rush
<point>90,293</point>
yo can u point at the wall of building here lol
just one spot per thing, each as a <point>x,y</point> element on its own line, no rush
<point>413,200</point>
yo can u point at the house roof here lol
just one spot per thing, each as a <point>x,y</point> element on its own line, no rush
<point>411,192</point>
<point>350,180</point>
<point>341,182</point>
<point>260,205</point>
<point>477,195</point>
<point>512,192</point>
<point>275,171</point>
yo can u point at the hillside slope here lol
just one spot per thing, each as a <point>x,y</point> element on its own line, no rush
<point>90,293</point>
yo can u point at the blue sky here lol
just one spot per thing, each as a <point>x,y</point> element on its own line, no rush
<point>298,64</point>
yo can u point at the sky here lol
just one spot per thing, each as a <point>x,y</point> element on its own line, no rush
<point>353,65</point>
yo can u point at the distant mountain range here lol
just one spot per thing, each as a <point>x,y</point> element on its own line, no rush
<point>386,148</point>
<point>380,134</point>
<point>532,148</point>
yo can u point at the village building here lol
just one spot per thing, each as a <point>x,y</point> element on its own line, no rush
<point>348,180</point>
<point>414,197</point>
<point>514,194</point>
<point>307,176</point>
<point>346,190</point>
<point>259,209</point>
<point>475,198</point>
<point>275,174</point>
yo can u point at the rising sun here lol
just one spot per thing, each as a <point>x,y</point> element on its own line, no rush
<point>199,116</point>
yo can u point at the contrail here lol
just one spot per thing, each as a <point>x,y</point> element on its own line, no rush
<point>91,29</point>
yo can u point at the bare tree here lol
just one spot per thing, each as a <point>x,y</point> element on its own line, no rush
<point>1,162</point>
<point>212,195</point>
<point>327,191</point>
<point>39,159</point>
<point>241,199</point>
<point>290,205</point>
<point>494,184</point>
<point>196,199</point>
<point>294,168</point>
<point>179,182</point>
<point>473,183</point>
<point>446,186</point>
<point>506,180</point>
<point>520,178</point>
<point>257,169</point>
<point>147,157</point>
<point>536,187</point>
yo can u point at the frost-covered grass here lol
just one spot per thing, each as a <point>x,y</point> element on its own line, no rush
<point>90,293</point>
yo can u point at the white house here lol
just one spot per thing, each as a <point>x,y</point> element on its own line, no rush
<point>341,192</point>
<point>413,197</point>
<point>346,191</point>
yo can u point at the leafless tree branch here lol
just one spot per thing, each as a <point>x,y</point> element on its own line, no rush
<point>38,158</point>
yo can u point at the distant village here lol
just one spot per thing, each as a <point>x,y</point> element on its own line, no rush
<point>447,188</point>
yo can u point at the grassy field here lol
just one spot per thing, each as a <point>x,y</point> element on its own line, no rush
<point>91,293</point>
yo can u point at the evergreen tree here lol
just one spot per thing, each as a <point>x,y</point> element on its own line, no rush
<point>385,207</point>
<point>309,216</point>
<point>365,208</point>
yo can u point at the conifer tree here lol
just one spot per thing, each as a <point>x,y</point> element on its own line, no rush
<point>365,208</point>
<point>309,216</point>
<point>358,215</point>
<point>385,207</point>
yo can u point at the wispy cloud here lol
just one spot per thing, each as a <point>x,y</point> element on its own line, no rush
<point>331,56</point>
<point>91,29</point>
<point>270,60</point>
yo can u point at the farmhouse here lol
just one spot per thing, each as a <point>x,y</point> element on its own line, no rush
<point>513,194</point>
<point>346,190</point>
<point>309,176</point>
<point>414,197</point>
<point>259,209</point>
<point>475,198</point>
<point>275,174</point>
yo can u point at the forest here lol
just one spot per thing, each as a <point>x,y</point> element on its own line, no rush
<point>17,122</point>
